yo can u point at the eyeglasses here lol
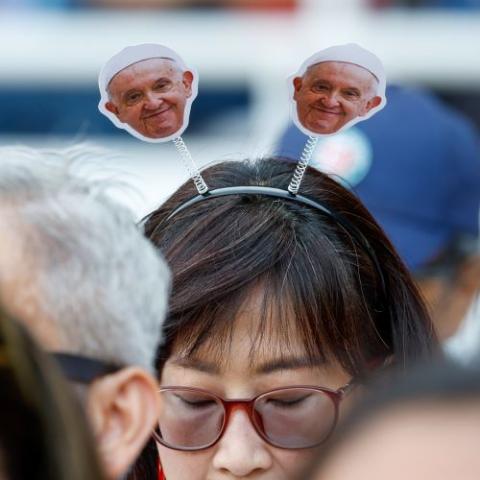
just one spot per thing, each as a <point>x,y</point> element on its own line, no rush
<point>293,417</point>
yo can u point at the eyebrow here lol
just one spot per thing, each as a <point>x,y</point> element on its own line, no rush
<point>157,80</point>
<point>162,79</point>
<point>270,366</point>
<point>196,364</point>
<point>287,363</point>
<point>321,81</point>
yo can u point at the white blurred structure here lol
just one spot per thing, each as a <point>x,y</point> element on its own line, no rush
<point>255,50</point>
<point>439,48</point>
<point>464,346</point>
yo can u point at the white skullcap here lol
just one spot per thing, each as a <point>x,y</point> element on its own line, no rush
<point>133,54</point>
<point>350,53</point>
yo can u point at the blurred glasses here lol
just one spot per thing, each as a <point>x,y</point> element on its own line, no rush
<point>291,417</point>
<point>78,368</point>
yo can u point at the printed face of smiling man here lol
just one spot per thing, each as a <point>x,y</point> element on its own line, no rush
<point>331,94</point>
<point>150,96</point>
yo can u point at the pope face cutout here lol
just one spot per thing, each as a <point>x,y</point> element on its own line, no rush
<point>332,94</point>
<point>149,97</point>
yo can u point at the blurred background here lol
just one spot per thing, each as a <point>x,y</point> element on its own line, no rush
<point>52,50</point>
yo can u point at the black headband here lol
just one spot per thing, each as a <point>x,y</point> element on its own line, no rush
<point>285,195</point>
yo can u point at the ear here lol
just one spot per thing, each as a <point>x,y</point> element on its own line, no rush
<point>297,85</point>
<point>111,108</point>
<point>123,408</point>
<point>372,103</point>
<point>187,82</point>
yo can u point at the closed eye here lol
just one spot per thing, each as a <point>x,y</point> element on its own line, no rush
<point>288,402</point>
<point>196,403</point>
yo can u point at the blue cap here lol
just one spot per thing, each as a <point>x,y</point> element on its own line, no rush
<point>416,167</point>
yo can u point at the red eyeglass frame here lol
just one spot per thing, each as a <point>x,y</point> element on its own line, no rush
<point>247,405</point>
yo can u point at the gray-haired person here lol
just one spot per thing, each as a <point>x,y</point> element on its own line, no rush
<point>90,288</point>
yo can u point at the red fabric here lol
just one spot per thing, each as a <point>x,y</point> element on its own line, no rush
<point>279,5</point>
<point>161,475</point>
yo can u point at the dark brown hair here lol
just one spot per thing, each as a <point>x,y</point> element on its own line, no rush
<point>220,249</point>
<point>305,262</point>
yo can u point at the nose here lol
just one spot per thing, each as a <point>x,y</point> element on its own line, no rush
<point>152,101</point>
<point>330,100</point>
<point>241,452</point>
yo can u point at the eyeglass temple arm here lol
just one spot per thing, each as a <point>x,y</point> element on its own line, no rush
<point>81,369</point>
<point>355,381</point>
<point>346,389</point>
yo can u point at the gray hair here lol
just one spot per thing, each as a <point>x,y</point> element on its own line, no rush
<point>95,276</point>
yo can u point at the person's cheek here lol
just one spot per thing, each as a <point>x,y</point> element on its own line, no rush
<point>177,465</point>
<point>176,94</point>
<point>293,462</point>
<point>131,115</point>
<point>362,108</point>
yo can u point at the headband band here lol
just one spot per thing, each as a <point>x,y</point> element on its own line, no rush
<point>285,195</point>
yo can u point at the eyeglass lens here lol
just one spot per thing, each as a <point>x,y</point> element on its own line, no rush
<point>295,418</point>
<point>290,418</point>
<point>190,419</point>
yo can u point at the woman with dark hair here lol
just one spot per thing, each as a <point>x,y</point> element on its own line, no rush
<point>421,426</point>
<point>43,434</point>
<point>281,304</point>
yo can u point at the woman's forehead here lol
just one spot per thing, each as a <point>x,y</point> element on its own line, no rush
<point>243,344</point>
<point>261,334</point>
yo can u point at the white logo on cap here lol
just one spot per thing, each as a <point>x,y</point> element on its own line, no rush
<point>347,156</point>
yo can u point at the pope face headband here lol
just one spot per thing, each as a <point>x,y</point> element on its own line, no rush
<point>335,73</point>
<point>336,88</point>
<point>148,91</point>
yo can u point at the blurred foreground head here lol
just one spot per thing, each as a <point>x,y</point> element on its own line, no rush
<point>43,432</point>
<point>424,426</point>
<point>75,269</point>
